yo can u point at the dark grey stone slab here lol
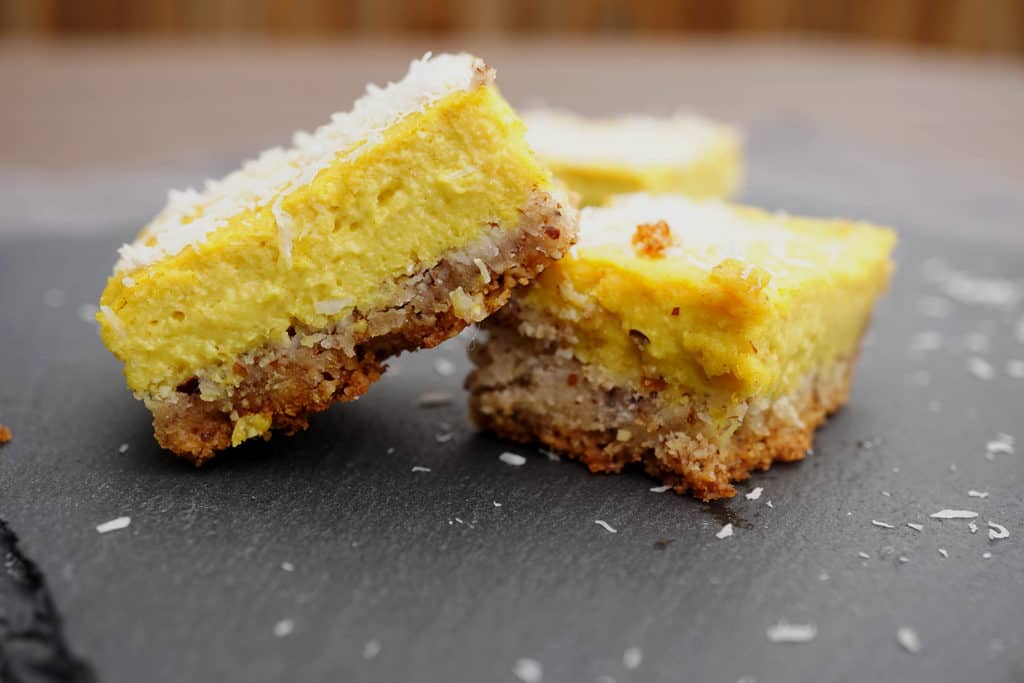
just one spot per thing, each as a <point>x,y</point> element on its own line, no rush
<point>455,588</point>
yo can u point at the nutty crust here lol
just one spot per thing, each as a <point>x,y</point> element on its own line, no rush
<point>288,383</point>
<point>5,434</point>
<point>523,390</point>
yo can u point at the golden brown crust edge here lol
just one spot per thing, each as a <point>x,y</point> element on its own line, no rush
<point>667,454</point>
<point>290,383</point>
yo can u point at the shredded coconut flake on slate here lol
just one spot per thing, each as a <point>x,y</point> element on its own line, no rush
<point>884,525</point>
<point>497,504</point>
<point>908,639</point>
<point>443,437</point>
<point>769,504</point>
<point>755,494</point>
<point>510,458</point>
<point>863,555</point>
<point>977,494</point>
<point>529,671</point>
<point>606,526</point>
<point>980,368</point>
<point>942,551</point>
<point>987,556</point>
<point>114,525</point>
<point>632,657</point>
<point>973,527</point>
<point>284,628</point>
<point>660,489</point>
<point>997,532</point>
<point>1002,444</point>
<point>792,633</point>
<point>724,532</point>
<point>418,468</point>
<point>434,399</point>
<point>976,289</point>
<point>371,649</point>
<point>444,367</point>
<point>550,455</point>
<point>915,526</point>
<point>123,448</point>
<point>288,566</point>
<point>953,514</point>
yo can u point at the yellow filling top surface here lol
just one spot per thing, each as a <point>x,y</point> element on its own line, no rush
<point>431,183</point>
<point>742,304</point>
<point>600,158</point>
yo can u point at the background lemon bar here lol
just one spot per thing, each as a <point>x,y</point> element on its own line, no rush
<point>701,340</point>
<point>269,294</point>
<point>602,157</point>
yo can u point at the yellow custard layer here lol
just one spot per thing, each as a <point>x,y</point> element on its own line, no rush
<point>743,304</point>
<point>600,158</point>
<point>430,184</point>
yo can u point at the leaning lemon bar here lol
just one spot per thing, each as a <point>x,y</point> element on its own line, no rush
<point>281,288</point>
<point>601,157</point>
<point>700,340</point>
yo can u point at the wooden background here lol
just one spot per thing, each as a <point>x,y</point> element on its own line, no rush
<point>994,26</point>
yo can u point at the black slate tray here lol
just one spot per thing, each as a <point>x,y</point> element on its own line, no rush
<point>454,588</point>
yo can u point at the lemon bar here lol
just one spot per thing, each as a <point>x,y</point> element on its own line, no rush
<point>601,157</point>
<point>699,339</point>
<point>283,287</point>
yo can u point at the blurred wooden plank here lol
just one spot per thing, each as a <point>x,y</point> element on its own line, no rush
<point>142,103</point>
<point>967,25</point>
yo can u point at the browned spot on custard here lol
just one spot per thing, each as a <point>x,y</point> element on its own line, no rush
<point>652,239</point>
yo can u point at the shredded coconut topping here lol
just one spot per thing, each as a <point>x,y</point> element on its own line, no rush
<point>708,235</point>
<point>724,532</point>
<point>191,215</point>
<point>606,526</point>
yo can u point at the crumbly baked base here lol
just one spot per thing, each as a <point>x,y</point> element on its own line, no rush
<point>530,390</point>
<point>287,383</point>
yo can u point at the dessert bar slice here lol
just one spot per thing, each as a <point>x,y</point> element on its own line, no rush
<point>598,158</point>
<point>702,341</point>
<point>283,287</point>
